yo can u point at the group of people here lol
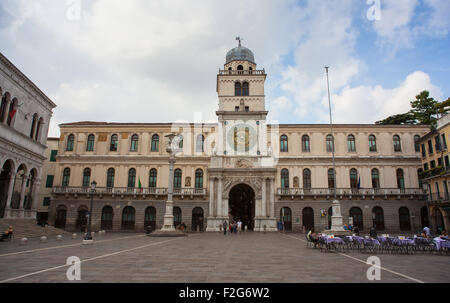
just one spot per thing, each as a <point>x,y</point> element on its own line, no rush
<point>7,234</point>
<point>233,227</point>
<point>427,234</point>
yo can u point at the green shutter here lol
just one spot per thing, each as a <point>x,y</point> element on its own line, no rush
<point>49,183</point>
<point>46,201</point>
<point>53,155</point>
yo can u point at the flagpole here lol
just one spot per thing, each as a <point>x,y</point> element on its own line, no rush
<point>332,135</point>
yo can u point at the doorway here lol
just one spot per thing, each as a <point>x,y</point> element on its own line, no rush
<point>242,205</point>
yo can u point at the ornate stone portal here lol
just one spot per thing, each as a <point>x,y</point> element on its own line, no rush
<point>260,179</point>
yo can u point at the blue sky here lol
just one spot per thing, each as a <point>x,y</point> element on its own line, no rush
<point>156,61</point>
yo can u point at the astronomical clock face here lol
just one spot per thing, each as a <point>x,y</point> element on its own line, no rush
<point>241,138</point>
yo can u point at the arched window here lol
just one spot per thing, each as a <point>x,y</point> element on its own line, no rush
<point>372,143</point>
<point>38,129</point>
<point>404,218</point>
<point>308,218</point>
<point>306,179</point>
<point>357,215</point>
<point>284,144</point>
<point>397,144</point>
<point>176,216</point>
<point>134,143</point>
<point>70,142</point>
<point>90,143</point>
<point>114,143</point>
<point>400,179</point>
<point>3,106</point>
<point>33,125</point>
<point>284,178</point>
<point>66,177</point>
<point>247,139</point>
<point>131,178</point>
<point>177,178</point>
<point>351,143</point>
<point>240,67</point>
<point>329,143</point>
<point>150,217</point>
<point>331,178</point>
<point>417,143</point>
<point>199,144</point>
<point>375,179</point>
<point>110,178</point>
<point>12,111</point>
<point>153,176</point>
<point>86,177</point>
<point>305,144</point>
<point>155,143</point>
<point>378,218</point>
<point>199,179</point>
<point>353,178</point>
<point>107,218</point>
<point>237,89</point>
<point>128,218</point>
<point>245,89</point>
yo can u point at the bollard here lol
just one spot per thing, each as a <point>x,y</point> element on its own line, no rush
<point>23,241</point>
<point>43,239</point>
<point>74,236</point>
<point>58,238</point>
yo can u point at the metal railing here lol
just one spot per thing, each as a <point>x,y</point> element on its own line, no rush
<point>349,191</point>
<point>439,198</point>
<point>129,191</point>
<point>241,72</point>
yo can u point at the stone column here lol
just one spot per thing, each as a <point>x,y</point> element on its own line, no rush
<point>272,198</point>
<point>211,197</point>
<point>219,199</point>
<point>22,193</point>
<point>34,197</point>
<point>168,217</point>
<point>12,179</point>
<point>263,199</point>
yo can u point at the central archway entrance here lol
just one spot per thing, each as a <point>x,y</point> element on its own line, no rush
<point>242,205</point>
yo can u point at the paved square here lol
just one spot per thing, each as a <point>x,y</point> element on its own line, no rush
<point>204,258</point>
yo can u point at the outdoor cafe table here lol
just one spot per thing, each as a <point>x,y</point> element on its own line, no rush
<point>441,243</point>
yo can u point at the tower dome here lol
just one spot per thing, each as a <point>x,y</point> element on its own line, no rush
<point>240,53</point>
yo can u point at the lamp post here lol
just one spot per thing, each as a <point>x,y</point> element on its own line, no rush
<point>88,237</point>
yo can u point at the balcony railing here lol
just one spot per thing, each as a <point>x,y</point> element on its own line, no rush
<point>437,171</point>
<point>439,198</point>
<point>129,191</point>
<point>241,72</point>
<point>350,192</point>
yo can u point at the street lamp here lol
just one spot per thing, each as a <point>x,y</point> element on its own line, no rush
<point>88,236</point>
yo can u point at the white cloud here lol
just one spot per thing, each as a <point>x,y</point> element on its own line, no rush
<point>368,104</point>
<point>403,22</point>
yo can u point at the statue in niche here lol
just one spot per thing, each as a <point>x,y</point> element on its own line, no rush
<point>188,182</point>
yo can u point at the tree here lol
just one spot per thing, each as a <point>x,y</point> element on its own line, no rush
<point>424,110</point>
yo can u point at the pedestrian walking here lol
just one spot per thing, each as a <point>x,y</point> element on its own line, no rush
<point>239,225</point>
<point>225,225</point>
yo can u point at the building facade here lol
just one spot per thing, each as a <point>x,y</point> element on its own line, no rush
<point>25,114</point>
<point>48,176</point>
<point>239,168</point>
<point>435,174</point>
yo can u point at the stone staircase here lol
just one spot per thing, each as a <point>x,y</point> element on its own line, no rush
<point>28,228</point>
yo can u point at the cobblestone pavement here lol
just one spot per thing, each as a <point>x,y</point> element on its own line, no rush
<point>207,257</point>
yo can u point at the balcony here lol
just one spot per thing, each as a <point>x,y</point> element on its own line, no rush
<point>439,198</point>
<point>351,192</point>
<point>434,172</point>
<point>129,191</point>
<point>241,72</point>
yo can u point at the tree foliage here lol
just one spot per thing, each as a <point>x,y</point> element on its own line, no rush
<point>424,110</point>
